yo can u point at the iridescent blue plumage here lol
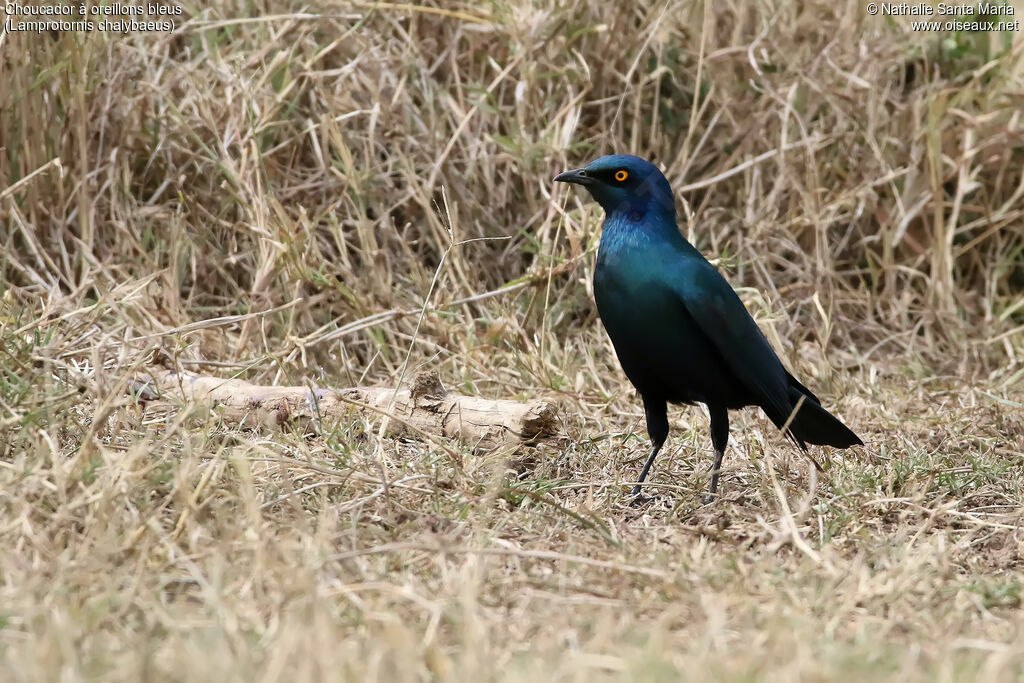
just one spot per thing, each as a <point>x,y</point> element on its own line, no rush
<point>681,333</point>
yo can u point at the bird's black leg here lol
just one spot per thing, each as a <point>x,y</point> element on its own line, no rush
<point>719,439</point>
<point>656,413</point>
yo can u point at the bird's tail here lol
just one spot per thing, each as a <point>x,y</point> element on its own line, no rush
<point>813,424</point>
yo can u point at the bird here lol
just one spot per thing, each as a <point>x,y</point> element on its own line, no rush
<point>681,333</point>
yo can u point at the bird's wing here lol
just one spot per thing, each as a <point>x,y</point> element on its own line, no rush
<point>724,320</point>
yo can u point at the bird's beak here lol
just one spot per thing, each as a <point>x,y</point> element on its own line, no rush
<point>577,176</point>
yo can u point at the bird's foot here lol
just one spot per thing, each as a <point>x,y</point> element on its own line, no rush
<point>638,499</point>
<point>710,498</point>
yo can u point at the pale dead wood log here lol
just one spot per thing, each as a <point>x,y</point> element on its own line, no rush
<point>426,406</point>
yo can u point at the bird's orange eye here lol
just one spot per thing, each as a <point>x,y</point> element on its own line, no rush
<point>621,174</point>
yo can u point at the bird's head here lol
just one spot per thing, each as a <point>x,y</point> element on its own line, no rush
<point>624,183</point>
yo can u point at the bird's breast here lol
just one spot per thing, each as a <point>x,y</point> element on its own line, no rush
<point>629,263</point>
<point>661,348</point>
<point>632,291</point>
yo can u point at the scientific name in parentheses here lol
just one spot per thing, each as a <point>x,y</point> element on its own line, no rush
<point>923,9</point>
<point>106,25</point>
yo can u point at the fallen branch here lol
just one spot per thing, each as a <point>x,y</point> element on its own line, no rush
<point>426,408</point>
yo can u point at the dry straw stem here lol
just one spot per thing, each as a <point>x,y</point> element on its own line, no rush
<point>258,194</point>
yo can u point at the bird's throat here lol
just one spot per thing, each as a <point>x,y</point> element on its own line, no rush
<point>641,225</point>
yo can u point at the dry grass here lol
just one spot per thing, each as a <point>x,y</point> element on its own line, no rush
<point>299,168</point>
